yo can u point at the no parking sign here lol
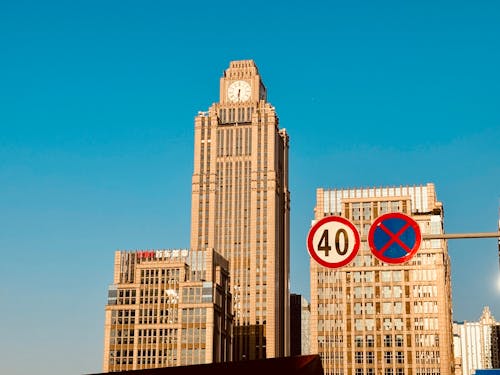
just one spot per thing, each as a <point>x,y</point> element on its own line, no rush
<point>394,238</point>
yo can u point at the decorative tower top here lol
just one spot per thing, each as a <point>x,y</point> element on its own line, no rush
<point>487,317</point>
<point>241,83</point>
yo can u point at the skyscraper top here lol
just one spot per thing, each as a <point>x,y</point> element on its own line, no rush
<point>241,69</point>
<point>242,64</point>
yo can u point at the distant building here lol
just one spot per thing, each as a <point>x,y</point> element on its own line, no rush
<point>495,346</point>
<point>373,318</point>
<point>476,343</point>
<point>306,327</point>
<point>300,313</point>
<point>167,308</point>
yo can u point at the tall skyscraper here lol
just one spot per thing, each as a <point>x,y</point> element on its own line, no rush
<point>476,343</point>
<point>240,207</point>
<point>372,318</point>
<point>167,308</point>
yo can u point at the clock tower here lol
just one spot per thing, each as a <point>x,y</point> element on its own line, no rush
<point>240,207</point>
<point>241,75</point>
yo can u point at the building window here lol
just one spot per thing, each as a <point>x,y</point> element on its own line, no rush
<point>399,340</point>
<point>367,211</point>
<point>398,324</point>
<point>387,308</point>
<point>397,276</point>
<point>357,276</point>
<point>398,291</point>
<point>398,308</point>
<point>357,292</point>
<point>358,309</point>
<point>358,356</point>
<point>369,308</point>
<point>388,324</point>
<point>400,357</point>
<point>358,341</point>
<point>369,341</point>
<point>388,357</point>
<point>369,292</point>
<point>369,276</point>
<point>388,340</point>
<point>370,357</point>
<point>385,276</point>
<point>386,292</point>
<point>355,211</point>
<point>370,324</point>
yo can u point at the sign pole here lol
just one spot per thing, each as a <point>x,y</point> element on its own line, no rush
<point>394,238</point>
<point>453,236</point>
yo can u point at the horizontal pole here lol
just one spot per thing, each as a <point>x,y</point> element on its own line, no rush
<point>453,236</point>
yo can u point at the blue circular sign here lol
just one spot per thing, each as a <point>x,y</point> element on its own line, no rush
<point>394,238</point>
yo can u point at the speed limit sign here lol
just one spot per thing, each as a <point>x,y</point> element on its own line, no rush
<point>333,241</point>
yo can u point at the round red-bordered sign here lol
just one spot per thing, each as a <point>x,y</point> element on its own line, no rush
<point>394,238</point>
<point>333,241</point>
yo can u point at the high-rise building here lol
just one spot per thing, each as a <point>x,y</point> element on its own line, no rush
<point>476,343</point>
<point>300,313</point>
<point>495,346</point>
<point>295,324</point>
<point>167,308</point>
<point>240,207</point>
<point>370,317</point>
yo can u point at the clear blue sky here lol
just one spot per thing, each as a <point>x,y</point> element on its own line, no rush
<point>97,101</point>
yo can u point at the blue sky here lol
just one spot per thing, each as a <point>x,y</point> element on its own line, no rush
<point>97,101</point>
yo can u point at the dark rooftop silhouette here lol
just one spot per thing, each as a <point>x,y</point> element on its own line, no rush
<point>298,365</point>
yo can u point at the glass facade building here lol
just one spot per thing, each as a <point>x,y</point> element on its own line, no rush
<point>167,308</point>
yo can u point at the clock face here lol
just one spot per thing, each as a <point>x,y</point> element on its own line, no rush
<point>239,91</point>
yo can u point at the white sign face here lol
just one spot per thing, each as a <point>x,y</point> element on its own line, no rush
<point>333,241</point>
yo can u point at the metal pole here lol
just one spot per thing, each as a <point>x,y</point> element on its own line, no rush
<point>452,236</point>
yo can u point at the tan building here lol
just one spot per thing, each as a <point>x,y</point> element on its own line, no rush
<point>167,308</point>
<point>373,318</point>
<point>240,207</point>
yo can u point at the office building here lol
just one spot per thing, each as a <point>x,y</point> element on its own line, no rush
<point>300,314</point>
<point>167,308</point>
<point>374,318</point>
<point>495,346</point>
<point>240,207</point>
<point>476,343</point>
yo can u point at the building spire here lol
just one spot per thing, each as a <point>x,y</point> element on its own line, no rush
<point>487,317</point>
